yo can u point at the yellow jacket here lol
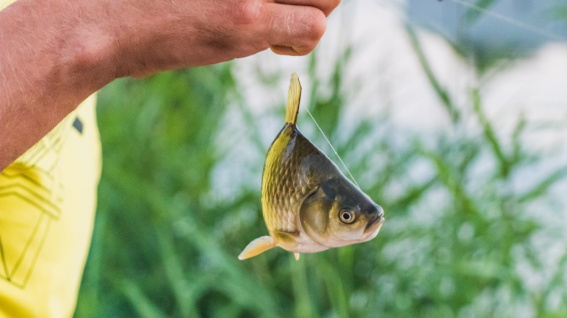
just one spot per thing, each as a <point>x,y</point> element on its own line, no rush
<point>47,204</point>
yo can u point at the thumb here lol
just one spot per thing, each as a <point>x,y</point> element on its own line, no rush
<point>293,29</point>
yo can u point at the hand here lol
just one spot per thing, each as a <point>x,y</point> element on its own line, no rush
<point>164,35</point>
<point>55,53</point>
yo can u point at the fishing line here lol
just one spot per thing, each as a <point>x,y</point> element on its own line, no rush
<point>335,151</point>
<point>501,17</point>
<point>520,24</point>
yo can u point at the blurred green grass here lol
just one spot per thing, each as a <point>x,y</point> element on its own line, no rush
<point>457,243</point>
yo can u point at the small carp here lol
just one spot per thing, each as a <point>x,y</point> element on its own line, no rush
<point>308,204</point>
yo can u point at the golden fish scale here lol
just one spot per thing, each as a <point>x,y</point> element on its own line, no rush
<point>283,186</point>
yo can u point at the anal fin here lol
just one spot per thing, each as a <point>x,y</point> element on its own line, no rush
<point>296,255</point>
<point>257,246</point>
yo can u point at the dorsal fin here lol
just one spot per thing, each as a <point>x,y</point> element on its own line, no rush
<point>293,98</point>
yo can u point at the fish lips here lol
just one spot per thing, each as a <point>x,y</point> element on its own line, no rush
<point>374,224</point>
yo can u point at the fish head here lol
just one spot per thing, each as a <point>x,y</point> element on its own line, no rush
<point>336,213</point>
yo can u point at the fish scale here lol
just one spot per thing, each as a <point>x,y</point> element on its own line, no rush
<point>283,184</point>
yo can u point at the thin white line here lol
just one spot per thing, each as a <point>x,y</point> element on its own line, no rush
<point>509,20</point>
<point>335,151</point>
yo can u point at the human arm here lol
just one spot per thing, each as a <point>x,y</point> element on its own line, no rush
<point>55,53</point>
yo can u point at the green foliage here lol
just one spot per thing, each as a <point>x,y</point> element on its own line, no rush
<point>461,238</point>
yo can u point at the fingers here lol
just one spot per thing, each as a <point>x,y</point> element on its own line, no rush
<point>293,29</point>
<point>326,6</point>
<point>285,50</point>
<point>290,27</point>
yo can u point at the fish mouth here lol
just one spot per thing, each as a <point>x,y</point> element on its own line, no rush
<point>374,225</point>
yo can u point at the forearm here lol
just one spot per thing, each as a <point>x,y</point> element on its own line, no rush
<point>47,67</point>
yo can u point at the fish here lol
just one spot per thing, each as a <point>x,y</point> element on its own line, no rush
<point>308,205</point>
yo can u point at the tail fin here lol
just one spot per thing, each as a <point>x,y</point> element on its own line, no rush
<point>293,98</point>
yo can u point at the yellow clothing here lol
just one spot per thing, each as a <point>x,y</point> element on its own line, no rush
<point>47,204</point>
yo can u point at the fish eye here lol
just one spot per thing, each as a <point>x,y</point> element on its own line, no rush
<point>346,216</point>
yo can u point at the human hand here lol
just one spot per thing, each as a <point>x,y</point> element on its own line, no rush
<point>58,52</point>
<point>153,36</point>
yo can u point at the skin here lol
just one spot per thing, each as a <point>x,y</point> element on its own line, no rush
<point>55,53</point>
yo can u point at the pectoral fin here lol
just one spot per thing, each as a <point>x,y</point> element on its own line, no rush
<point>257,246</point>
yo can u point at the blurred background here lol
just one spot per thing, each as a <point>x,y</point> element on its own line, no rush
<point>452,115</point>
